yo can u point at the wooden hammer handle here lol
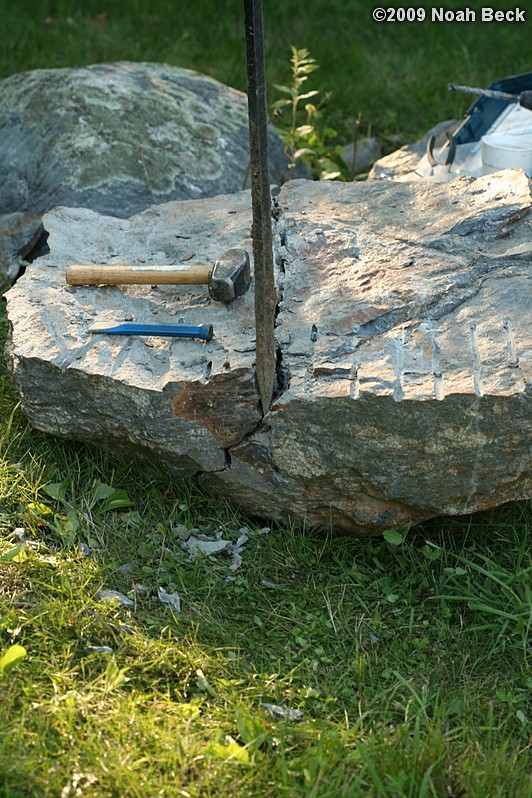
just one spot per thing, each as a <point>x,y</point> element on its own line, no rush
<point>196,274</point>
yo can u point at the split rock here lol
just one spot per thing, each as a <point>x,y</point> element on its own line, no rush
<point>403,336</point>
<point>119,137</point>
<point>182,401</point>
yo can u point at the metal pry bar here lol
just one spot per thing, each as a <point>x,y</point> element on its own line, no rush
<point>524,98</point>
<point>265,294</point>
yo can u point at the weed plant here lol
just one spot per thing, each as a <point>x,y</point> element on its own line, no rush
<point>311,142</point>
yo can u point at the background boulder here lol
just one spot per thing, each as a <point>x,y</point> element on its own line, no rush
<point>119,137</point>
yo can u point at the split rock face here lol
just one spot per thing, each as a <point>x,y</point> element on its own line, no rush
<point>119,137</point>
<point>403,337</point>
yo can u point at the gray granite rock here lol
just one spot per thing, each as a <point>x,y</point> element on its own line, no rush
<point>404,350</point>
<point>119,137</point>
<point>368,150</point>
<point>19,234</point>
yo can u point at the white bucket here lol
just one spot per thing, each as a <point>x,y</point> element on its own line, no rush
<point>508,150</point>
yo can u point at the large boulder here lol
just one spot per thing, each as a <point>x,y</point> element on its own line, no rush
<point>119,137</point>
<point>404,349</point>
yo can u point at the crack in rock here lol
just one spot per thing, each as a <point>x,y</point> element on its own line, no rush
<point>403,360</point>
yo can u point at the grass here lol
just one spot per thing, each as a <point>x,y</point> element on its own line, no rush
<point>409,660</point>
<point>396,75</point>
<point>407,657</point>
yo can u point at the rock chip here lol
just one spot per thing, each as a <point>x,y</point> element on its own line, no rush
<point>114,596</point>
<point>119,137</point>
<point>404,349</point>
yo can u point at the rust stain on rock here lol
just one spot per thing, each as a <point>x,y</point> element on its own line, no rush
<point>227,405</point>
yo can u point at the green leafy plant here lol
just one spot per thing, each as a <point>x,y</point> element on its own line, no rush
<point>251,728</point>
<point>11,657</point>
<point>395,537</point>
<point>16,553</point>
<point>105,496</point>
<point>308,138</point>
<point>69,522</point>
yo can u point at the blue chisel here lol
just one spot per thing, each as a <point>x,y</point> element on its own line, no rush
<point>204,331</point>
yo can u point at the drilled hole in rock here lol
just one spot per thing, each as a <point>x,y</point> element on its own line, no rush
<point>207,371</point>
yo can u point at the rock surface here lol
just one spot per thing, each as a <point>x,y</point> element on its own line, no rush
<point>119,137</point>
<point>19,234</point>
<point>404,350</point>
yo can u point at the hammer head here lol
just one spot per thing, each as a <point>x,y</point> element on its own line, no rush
<point>230,276</point>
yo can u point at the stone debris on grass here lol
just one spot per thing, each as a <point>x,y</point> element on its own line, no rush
<point>99,649</point>
<point>128,567</point>
<point>269,585</point>
<point>236,562</point>
<point>206,545</point>
<point>114,595</point>
<point>183,531</point>
<point>193,542</point>
<point>215,544</point>
<point>242,538</point>
<point>172,599</point>
<point>282,713</point>
<point>138,587</point>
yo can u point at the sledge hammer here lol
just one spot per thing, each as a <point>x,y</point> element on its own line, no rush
<point>228,279</point>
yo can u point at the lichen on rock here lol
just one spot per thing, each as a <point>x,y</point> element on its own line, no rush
<point>119,137</point>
